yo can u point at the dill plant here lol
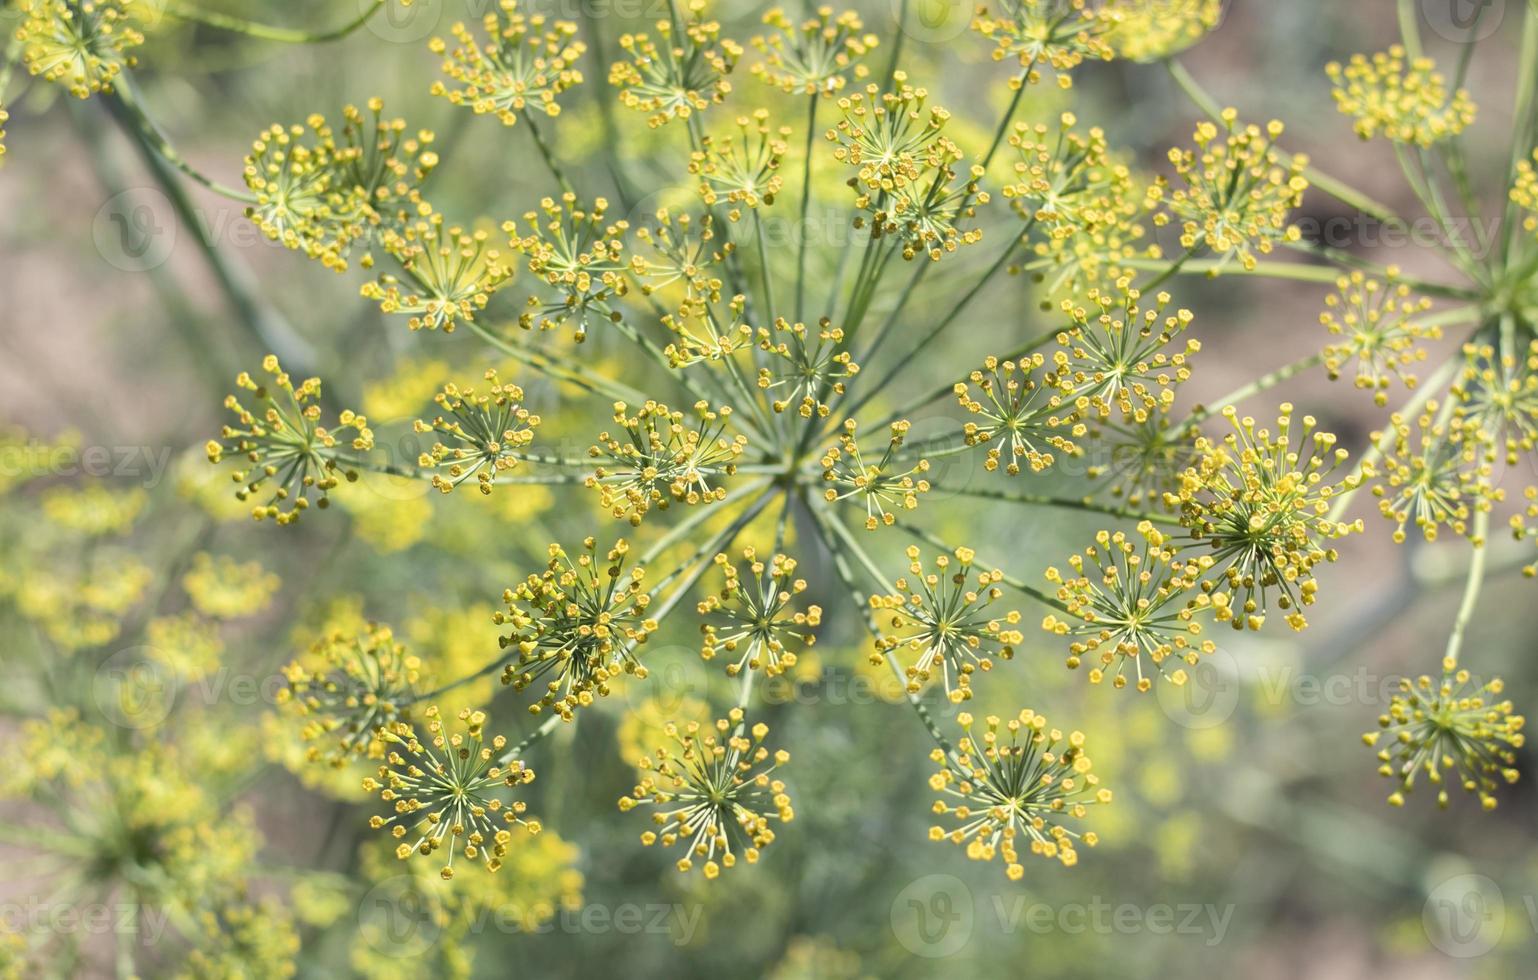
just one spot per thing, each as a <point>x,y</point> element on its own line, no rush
<point>767,393</point>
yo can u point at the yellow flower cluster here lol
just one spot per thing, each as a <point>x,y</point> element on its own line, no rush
<point>1015,781</point>
<point>525,61</point>
<point>480,433</point>
<point>578,622</point>
<point>1138,601</point>
<point>1404,99</point>
<point>946,621</point>
<point>894,481</point>
<point>682,72</point>
<point>82,46</point>
<point>284,443</point>
<point>1379,330</point>
<point>323,193</point>
<point>1148,30</point>
<point>1056,33</point>
<point>814,56</point>
<point>1257,502</point>
<point>752,621</point>
<point>712,791</point>
<point>1453,728</point>
<point>447,792</point>
<point>1237,190</point>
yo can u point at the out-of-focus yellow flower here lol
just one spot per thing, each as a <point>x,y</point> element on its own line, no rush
<point>93,509</point>
<point>1404,99</point>
<point>188,645</point>
<point>224,588</point>
<point>1148,30</point>
<point>388,516</point>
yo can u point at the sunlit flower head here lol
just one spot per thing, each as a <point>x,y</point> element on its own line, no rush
<point>892,482</point>
<point>526,61</point>
<point>711,791</point>
<point>577,252</point>
<point>283,444</point>
<point>479,433</point>
<point>1141,461</point>
<point>1257,501</point>
<point>741,169</point>
<point>1404,99</point>
<point>347,687</point>
<point>225,588</point>
<point>447,275</point>
<point>82,46</point>
<point>1060,34</point>
<point>1453,729</point>
<point>1431,476</point>
<point>807,369</point>
<point>1148,30</point>
<point>756,619</point>
<point>1119,358</point>
<point>813,56</point>
<point>449,792</point>
<point>576,626</point>
<point>324,192</point>
<point>1019,414</point>
<point>660,455</point>
<point>905,168</point>
<point>1132,602</point>
<point>1377,324</point>
<point>946,620</point>
<point>1497,400</point>
<point>1015,781</point>
<point>1064,179</point>
<point>1237,191</point>
<point>683,70</point>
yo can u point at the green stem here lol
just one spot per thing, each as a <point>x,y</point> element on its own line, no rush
<point>1471,589</point>
<point>1409,29</point>
<point>546,154</point>
<point>283,35</point>
<point>267,326</point>
<point>766,275</point>
<point>806,199</point>
<point>1262,383</point>
<point>694,520</point>
<point>1065,503</point>
<point>549,725</point>
<point>934,334</point>
<point>557,368</point>
<point>827,527</point>
<point>1008,580</point>
<point>125,96</point>
<point>700,559</point>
